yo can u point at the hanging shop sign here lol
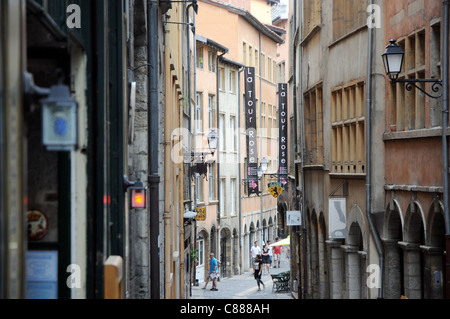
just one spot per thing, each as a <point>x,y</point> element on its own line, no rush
<point>37,224</point>
<point>250,121</point>
<point>201,214</point>
<point>293,218</point>
<point>337,217</point>
<point>275,189</point>
<point>282,114</point>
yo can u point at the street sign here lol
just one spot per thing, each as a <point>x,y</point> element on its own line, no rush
<point>201,213</point>
<point>275,189</point>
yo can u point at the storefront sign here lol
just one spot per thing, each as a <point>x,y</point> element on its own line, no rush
<point>42,274</point>
<point>275,189</point>
<point>337,217</point>
<point>282,114</point>
<point>201,213</point>
<point>293,218</point>
<point>37,224</point>
<point>250,120</point>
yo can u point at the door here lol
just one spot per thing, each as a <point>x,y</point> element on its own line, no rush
<point>200,270</point>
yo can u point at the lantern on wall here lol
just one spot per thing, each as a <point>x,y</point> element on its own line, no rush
<point>59,119</point>
<point>138,195</point>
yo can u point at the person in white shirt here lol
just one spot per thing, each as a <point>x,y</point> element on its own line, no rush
<point>254,251</point>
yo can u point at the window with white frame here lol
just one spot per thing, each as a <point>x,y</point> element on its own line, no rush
<point>222,201</point>
<point>222,78</point>
<point>211,111</point>
<point>211,61</point>
<point>199,112</point>
<point>233,183</point>
<point>232,81</point>
<point>222,132</point>
<point>232,133</point>
<point>212,180</point>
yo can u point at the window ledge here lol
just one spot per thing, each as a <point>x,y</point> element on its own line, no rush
<point>410,134</point>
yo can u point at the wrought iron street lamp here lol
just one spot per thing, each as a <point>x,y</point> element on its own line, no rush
<point>213,139</point>
<point>264,164</point>
<point>393,58</point>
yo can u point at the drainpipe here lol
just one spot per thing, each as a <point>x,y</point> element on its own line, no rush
<point>260,142</point>
<point>445,109</point>
<point>372,226</point>
<point>189,103</point>
<point>218,58</point>
<point>153,146</point>
<point>192,116</point>
<point>304,280</point>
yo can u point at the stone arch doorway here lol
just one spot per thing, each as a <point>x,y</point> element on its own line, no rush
<point>213,241</point>
<point>324,283</point>
<point>201,270</point>
<point>414,237</point>
<point>235,253</point>
<point>356,251</point>
<point>355,269</point>
<point>434,287</point>
<point>225,253</point>
<point>314,256</point>
<point>251,239</point>
<point>282,228</point>
<point>264,233</point>
<point>394,269</point>
<point>246,249</point>
<point>270,230</point>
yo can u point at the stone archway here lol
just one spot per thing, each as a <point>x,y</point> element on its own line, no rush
<point>251,239</point>
<point>314,256</point>
<point>324,283</point>
<point>356,250</point>
<point>203,247</point>
<point>225,253</point>
<point>235,253</point>
<point>414,237</point>
<point>394,263</point>
<point>434,272</point>
<point>282,228</point>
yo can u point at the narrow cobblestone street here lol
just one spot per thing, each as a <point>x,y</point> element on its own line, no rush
<point>244,286</point>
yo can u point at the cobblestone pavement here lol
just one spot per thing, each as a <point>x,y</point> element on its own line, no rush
<point>244,286</point>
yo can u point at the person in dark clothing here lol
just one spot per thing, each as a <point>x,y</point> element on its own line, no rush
<point>258,271</point>
<point>266,259</point>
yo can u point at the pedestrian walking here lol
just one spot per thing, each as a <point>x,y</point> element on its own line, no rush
<point>213,272</point>
<point>258,271</point>
<point>254,251</point>
<point>276,255</point>
<point>265,259</point>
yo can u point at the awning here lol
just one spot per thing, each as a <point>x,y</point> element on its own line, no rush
<point>283,242</point>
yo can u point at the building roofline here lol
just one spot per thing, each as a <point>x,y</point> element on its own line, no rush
<point>230,61</point>
<point>247,16</point>
<point>211,43</point>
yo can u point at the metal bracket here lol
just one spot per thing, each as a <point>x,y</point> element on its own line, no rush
<point>344,186</point>
<point>436,86</point>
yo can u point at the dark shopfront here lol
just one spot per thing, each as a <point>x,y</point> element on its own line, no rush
<point>54,188</point>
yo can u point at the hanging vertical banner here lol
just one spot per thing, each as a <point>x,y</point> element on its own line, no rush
<point>337,218</point>
<point>282,114</point>
<point>250,121</point>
